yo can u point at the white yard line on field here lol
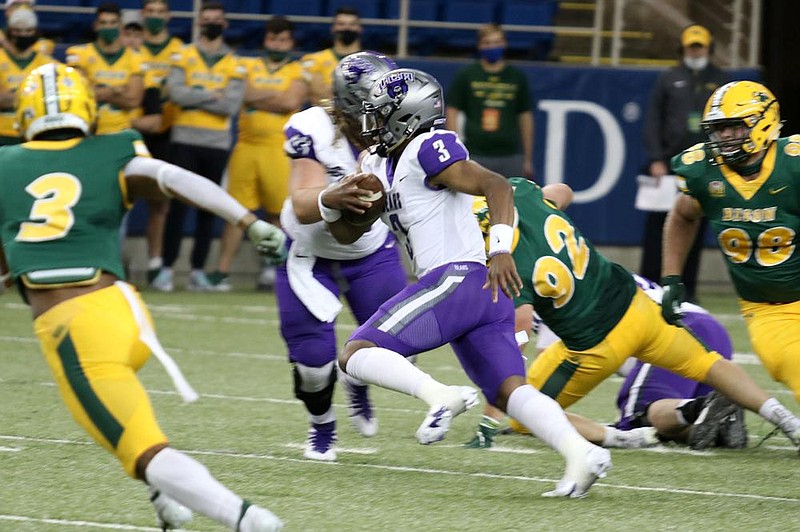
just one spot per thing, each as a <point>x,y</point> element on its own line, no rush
<point>4,449</point>
<point>339,449</point>
<point>494,448</point>
<point>430,471</point>
<point>68,522</point>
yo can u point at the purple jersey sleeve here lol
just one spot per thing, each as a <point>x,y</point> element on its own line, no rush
<point>298,145</point>
<point>439,151</point>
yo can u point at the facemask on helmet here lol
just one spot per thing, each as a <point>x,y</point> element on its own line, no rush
<point>353,78</point>
<point>741,119</point>
<point>53,97</point>
<point>401,103</point>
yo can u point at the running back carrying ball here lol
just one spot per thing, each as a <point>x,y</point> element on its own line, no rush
<point>378,199</point>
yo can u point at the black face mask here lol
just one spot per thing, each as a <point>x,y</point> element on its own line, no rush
<point>347,37</point>
<point>22,43</point>
<point>276,56</point>
<point>211,31</point>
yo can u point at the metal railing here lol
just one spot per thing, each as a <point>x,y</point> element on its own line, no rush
<point>595,32</point>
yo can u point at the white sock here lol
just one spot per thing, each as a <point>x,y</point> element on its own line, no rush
<point>327,417</point>
<point>546,420</point>
<point>388,369</point>
<point>611,436</point>
<point>188,481</point>
<point>349,380</point>
<point>773,411</point>
<point>154,263</point>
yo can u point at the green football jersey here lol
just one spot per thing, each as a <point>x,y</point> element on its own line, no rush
<point>61,206</point>
<point>755,222</point>
<point>576,291</point>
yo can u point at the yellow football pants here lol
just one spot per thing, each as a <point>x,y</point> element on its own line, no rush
<point>568,375</point>
<point>775,335</point>
<point>92,346</point>
<point>258,176</point>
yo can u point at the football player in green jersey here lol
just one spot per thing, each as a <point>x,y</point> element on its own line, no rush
<point>63,194</point>
<point>745,180</point>
<point>601,317</point>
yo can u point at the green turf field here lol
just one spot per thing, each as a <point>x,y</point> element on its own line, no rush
<point>249,430</point>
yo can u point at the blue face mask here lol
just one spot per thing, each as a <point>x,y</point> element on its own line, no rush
<point>492,55</point>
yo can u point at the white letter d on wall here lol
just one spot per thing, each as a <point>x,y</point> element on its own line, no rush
<point>555,145</point>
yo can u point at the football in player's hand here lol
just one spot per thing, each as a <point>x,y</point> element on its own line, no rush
<point>377,198</point>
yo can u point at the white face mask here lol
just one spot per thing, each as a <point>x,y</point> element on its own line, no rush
<point>696,63</point>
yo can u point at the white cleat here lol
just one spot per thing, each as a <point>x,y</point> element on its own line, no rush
<point>359,407</point>
<point>321,442</point>
<point>794,436</point>
<point>258,519</point>
<point>638,438</point>
<point>436,424</point>
<point>579,477</point>
<point>170,514</point>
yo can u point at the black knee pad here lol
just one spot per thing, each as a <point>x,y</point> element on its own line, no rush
<point>317,403</point>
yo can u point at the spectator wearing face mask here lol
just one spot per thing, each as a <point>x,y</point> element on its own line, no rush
<point>206,81</point>
<point>114,70</point>
<point>346,31</point>
<point>497,108</point>
<point>17,59</point>
<point>41,45</point>
<point>672,125</point>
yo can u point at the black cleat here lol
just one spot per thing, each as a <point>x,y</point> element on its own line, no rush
<point>703,433</point>
<point>733,431</point>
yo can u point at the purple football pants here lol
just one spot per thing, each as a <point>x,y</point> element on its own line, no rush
<point>365,283</point>
<point>448,305</point>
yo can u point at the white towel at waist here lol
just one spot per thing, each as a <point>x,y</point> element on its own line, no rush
<point>148,337</point>
<point>320,301</point>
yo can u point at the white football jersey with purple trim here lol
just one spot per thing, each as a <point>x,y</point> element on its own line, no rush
<point>434,225</point>
<point>311,134</point>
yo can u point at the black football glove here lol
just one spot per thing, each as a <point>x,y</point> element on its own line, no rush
<point>674,296</point>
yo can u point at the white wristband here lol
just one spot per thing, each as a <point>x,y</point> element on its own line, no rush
<point>501,237</point>
<point>328,215</point>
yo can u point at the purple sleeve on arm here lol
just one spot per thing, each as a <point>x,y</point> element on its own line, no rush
<point>298,145</point>
<point>440,151</point>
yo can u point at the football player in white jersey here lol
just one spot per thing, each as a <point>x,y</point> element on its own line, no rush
<point>429,180</point>
<point>324,143</point>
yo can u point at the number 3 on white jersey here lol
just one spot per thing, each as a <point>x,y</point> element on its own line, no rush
<point>51,214</point>
<point>440,147</point>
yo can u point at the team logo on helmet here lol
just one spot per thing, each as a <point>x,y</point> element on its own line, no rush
<point>353,69</point>
<point>761,96</point>
<point>395,84</point>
